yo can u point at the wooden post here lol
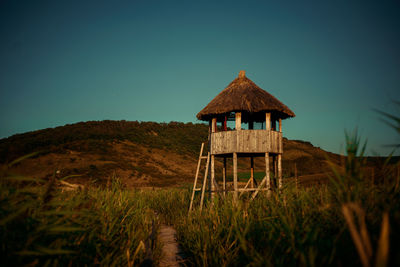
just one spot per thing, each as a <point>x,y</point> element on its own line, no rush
<point>280,171</point>
<point>238,121</point>
<point>267,171</point>
<point>252,172</point>
<point>268,180</point>
<point>214,125</point>
<point>268,121</point>
<point>212,181</point>
<point>235,178</point>
<point>280,125</point>
<point>212,178</point>
<point>224,177</point>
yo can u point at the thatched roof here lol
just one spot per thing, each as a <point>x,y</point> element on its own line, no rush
<point>244,95</point>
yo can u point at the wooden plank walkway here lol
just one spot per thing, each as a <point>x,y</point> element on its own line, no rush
<point>171,254</point>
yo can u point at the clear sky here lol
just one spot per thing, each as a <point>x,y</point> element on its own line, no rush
<point>331,62</point>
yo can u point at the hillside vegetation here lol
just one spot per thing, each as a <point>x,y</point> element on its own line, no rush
<point>140,153</point>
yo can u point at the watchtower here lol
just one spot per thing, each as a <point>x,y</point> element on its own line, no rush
<point>243,102</point>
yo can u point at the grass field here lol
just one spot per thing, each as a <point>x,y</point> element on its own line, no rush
<point>352,221</point>
<point>328,225</point>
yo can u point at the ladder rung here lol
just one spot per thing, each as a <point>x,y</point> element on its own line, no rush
<point>203,157</point>
<point>197,189</point>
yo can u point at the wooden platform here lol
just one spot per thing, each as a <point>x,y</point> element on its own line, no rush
<point>246,142</point>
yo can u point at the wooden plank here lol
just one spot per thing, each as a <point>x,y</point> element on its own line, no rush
<point>280,171</point>
<point>238,121</point>
<point>214,125</point>
<point>242,190</point>
<point>224,177</point>
<point>267,121</point>
<point>275,170</point>
<point>246,141</point>
<point>212,182</point>
<point>235,184</point>
<point>252,172</point>
<point>258,188</point>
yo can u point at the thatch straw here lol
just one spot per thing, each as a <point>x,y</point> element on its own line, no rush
<point>242,94</point>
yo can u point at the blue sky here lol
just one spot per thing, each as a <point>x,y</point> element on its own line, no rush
<point>331,62</point>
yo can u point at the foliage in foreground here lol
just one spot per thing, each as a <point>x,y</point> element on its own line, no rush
<point>40,225</point>
<point>346,223</point>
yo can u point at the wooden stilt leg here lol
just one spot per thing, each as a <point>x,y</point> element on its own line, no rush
<point>235,178</point>
<point>267,174</point>
<point>252,172</point>
<point>224,178</point>
<point>275,171</point>
<point>280,171</point>
<point>212,182</point>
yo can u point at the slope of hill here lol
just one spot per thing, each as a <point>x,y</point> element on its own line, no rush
<point>139,153</point>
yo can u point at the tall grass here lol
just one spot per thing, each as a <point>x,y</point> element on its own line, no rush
<point>344,223</point>
<point>41,225</point>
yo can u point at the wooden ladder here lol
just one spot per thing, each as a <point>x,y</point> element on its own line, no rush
<point>203,187</point>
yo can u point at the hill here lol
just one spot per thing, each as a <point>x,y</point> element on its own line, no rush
<point>139,153</point>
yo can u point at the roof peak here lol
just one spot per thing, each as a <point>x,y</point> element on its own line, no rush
<point>242,74</point>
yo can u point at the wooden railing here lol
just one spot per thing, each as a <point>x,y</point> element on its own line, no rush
<point>246,141</point>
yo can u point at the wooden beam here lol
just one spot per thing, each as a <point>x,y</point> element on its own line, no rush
<point>280,171</point>
<point>235,178</point>
<point>224,177</point>
<point>212,182</point>
<point>266,180</point>
<point>280,125</point>
<point>242,190</point>
<point>214,125</point>
<point>267,174</point>
<point>268,121</point>
<point>238,121</point>
<point>258,188</point>
<point>252,172</point>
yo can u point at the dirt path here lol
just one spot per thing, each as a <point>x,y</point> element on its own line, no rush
<point>170,249</point>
